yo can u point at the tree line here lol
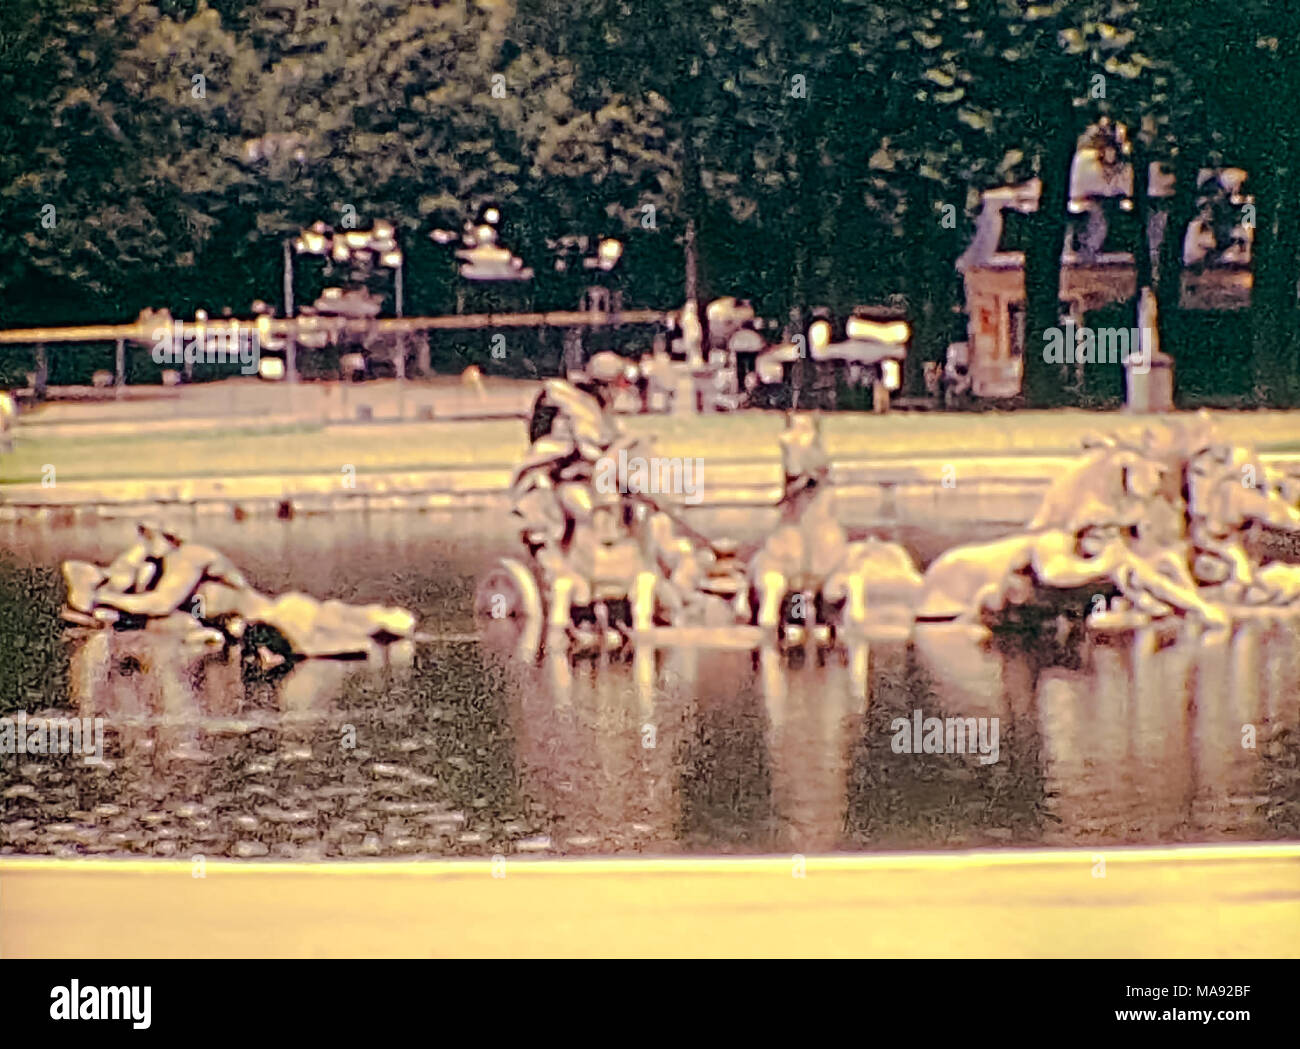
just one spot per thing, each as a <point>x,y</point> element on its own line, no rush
<point>825,152</point>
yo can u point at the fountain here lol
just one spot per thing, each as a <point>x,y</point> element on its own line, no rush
<point>1154,529</point>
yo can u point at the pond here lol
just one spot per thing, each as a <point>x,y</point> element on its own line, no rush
<point>456,748</point>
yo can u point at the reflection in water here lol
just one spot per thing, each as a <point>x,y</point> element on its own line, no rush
<point>813,717</point>
<point>458,748</point>
<point>163,696</point>
<point>1169,742</point>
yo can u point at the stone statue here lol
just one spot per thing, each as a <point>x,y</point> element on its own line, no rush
<point>1151,526</point>
<point>810,555</point>
<point>581,536</point>
<point>595,546</point>
<point>8,415</point>
<point>1158,521</point>
<point>162,577</point>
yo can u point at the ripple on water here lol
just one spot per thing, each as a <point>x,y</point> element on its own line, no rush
<point>467,753</point>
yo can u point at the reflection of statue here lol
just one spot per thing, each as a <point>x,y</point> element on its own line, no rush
<point>167,699</point>
<point>195,588</point>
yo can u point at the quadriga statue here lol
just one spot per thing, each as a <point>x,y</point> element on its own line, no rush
<point>599,546</point>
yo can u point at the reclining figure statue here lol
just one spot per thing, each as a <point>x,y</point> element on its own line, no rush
<point>161,577</point>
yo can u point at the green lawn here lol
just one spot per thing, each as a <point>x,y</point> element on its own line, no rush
<point>930,434</point>
<point>245,452</point>
<point>433,445</point>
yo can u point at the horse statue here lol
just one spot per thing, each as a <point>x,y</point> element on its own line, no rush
<point>809,556</point>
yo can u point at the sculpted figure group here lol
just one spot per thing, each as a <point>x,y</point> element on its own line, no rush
<point>613,560</point>
<point>1158,527</point>
<point>1149,528</point>
<point>163,579</point>
<point>605,551</point>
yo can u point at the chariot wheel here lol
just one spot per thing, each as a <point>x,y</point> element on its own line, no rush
<point>509,591</point>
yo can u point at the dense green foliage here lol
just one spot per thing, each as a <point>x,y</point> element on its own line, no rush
<point>826,152</point>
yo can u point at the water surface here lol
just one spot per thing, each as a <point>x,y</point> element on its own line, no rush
<point>456,748</point>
